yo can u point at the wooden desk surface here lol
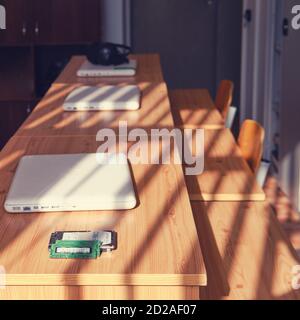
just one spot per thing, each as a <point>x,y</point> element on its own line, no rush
<point>226,176</point>
<point>148,70</point>
<point>247,254</point>
<point>49,119</point>
<point>194,108</point>
<point>157,241</point>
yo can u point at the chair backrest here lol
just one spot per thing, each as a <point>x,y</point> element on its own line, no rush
<point>230,117</point>
<point>224,97</point>
<point>262,173</point>
<point>251,142</point>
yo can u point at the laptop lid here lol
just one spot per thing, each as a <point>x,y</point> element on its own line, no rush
<point>73,182</point>
<point>90,98</point>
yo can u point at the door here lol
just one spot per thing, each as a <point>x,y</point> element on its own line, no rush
<point>290,109</point>
<point>66,21</point>
<point>18,22</point>
<point>184,33</point>
<point>198,41</point>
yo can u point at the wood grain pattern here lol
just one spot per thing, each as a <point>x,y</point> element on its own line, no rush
<point>149,70</point>
<point>224,97</point>
<point>100,293</point>
<point>251,143</point>
<point>49,119</point>
<point>247,254</point>
<point>194,108</point>
<point>157,245</point>
<point>226,176</point>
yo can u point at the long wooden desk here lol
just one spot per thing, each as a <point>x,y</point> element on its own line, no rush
<point>148,70</point>
<point>158,253</point>
<point>226,176</point>
<point>48,118</point>
<point>194,108</point>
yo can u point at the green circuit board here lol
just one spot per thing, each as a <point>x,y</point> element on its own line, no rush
<point>63,249</point>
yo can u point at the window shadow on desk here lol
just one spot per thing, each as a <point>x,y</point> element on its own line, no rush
<point>220,253</point>
<point>49,118</point>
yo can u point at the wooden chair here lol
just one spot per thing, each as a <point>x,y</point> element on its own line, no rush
<point>224,97</point>
<point>230,117</point>
<point>251,141</point>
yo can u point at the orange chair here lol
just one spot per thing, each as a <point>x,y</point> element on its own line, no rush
<point>251,143</point>
<point>224,97</point>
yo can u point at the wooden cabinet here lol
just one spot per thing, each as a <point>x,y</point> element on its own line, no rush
<point>18,22</point>
<point>66,21</point>
<point>13,114</point>
<point>42,22</point>
<point>40,37</point>
<point>17,73</point>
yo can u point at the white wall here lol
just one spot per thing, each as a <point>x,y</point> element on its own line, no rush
<point>290,113</point>
<point>258,85</point>
<point>116,21</point>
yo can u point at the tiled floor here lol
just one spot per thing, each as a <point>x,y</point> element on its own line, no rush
<point>286,214</point>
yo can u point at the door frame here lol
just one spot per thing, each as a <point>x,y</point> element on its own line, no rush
<point>258,83</point>
<point>127,22</point>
